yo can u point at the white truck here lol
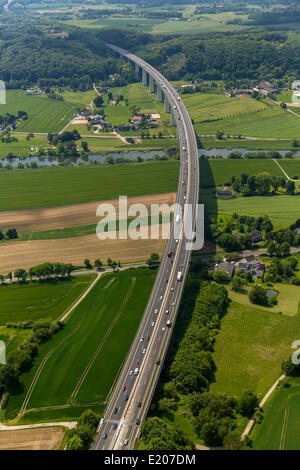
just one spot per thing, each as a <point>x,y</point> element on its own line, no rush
<point>177,218</point>
<point>179,276</point>
<point>136,371</point>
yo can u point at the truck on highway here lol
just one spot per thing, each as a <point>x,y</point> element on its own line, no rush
<point>177,218</point>
<point>168,323</point>
<point>136,371</point>
<point>179,276</point>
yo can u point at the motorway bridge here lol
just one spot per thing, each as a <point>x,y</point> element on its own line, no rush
<point>131,397</point>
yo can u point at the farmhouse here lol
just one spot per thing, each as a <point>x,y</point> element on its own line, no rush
<point>251,264</point>
<point>296,85</point>
<point>227,267</point>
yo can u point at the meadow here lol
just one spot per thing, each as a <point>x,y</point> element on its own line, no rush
<point>44,114</point>
<point>45,299</point>
<point>218,172</point>
<point>249,143</point>
<point>99,331</point>
<point>62,186</point>
<point>280,427</point>
<point>291,167</point>
<point>260,340</point>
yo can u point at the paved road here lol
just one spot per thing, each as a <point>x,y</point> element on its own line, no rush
<point>127,409</point>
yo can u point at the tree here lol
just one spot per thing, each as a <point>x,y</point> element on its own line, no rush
<point>10,276</point>
<point>89,418</point>
<point>221,277</point>
<point>84,146</point>
<point>285,249</point>
<point>109,262</point>
<point>11,233</point>
<point>87,264</point>
<point>229,242</point>
<point>247,403</point>
<point>98,264</point>
<point>289,368</point>
<point>20,274</point>
<point>75,443</point>
<point>237,284</point>
<point>258,296</point>
<point>290,187</point>
<point>232,441</point>
<point>153,261</point>
<point>9,377</point>
<point>98,101</point>
<point>263,182</point>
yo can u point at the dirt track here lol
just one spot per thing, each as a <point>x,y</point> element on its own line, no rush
<point>69,216</point>
<point>74,250</point>
<point>31,439</point>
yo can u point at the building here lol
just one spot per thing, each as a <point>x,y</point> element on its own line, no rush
<point>296,97</point>
<point>251,264</point>
<point>225,194</point>
<point>227,267</point>
<point>296,85</point>
<point>256,237</point>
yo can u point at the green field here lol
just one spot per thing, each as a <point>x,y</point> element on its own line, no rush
<point>23,147</point>
<point>252,344</point>
<point>271,123</point>
<point>44,114</point>
<point>251,144</point>
<point>291,167</point>
<point>46,299</point>
<point>219,172</point>
<point>98,332</point>
<point>280,427</point>
<point>61,186</point>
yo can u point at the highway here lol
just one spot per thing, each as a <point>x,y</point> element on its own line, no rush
<point>133,391</point>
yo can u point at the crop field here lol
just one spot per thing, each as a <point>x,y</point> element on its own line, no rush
<point>55,187</point>
<point>205,107</point>
<point>291,167</point>
<point>44,114</point>
<point>32,439</point>
<point>260,341</point>
<point>250,143</point>
<point>98,332</point>
<point>23,147</point>
<point>283,210</point>
<point>271,123</point>
<point>280,427</point>
<point>45,299</point>
<point>219,172</point>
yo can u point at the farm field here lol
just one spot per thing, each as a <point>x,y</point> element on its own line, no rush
<point>76,250</point>
<point>45,299</point>
<point>218,172</point>
<point>271,123</point>
<point>92,333</point>
<point>55,187</point>
<point>32,439</point>
<point>279,429</point>
<point>250,144</point>
<point>291,167</point>
<point>23,147</point>
<point>44,114</point>
<point>78,215</point>
<point>283,210</point>
<point>260,341</point>
<point>206,106</point>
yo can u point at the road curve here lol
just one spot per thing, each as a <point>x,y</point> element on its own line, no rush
<point>127,409</point>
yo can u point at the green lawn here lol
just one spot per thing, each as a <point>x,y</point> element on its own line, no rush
<point>251,346</point>
<point>213,142</point>
<point>61,186</point>
<point>105,322</point>
<point>45,299</point>
<point>23,147</point>
<point>280,427</point>
<point>44,114</point>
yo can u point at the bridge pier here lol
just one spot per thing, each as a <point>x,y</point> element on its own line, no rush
<point>137,69</point>
<point>144,77</point>
<point>167,106</point>
<point>151,84</point>
<point>160,95</point>
<point>173,120</point>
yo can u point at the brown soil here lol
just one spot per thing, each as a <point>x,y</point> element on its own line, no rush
<point>32,439</point>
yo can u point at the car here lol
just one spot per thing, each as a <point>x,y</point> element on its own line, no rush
<point>123,388</point>
<point>173,304</point>
<point>156,310</point>
<point>139,404</point>
<point>125,442</point>
<point>142,339</point>
<point>179,99</point>
<point>115,426</point>
<point>161,297</point>
<point>148,338</point>
<point>175,107</point>
<point>144,351</point>
<point>163,329</point>
<point>104,436</point>
<point>167,312</point>
<point>130,372</point>
<point>158,362</point>
<point>176,241</point>
<point>126,397</point>
<point>153,323</point>
<point>172,288</point>
<point>138,421</point>
<point>115,411</point>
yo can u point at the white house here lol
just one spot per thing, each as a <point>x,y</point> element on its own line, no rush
<point>296,85</point>
<point>296,97</point>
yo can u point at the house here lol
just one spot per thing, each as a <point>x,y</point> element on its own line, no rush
<point>251,264</point>
<point>137,118</point>
<point>296,85</point>
<point>256,237</point>
<point>296,97</point>
<point>33,91</point>
<point>227,267</point>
